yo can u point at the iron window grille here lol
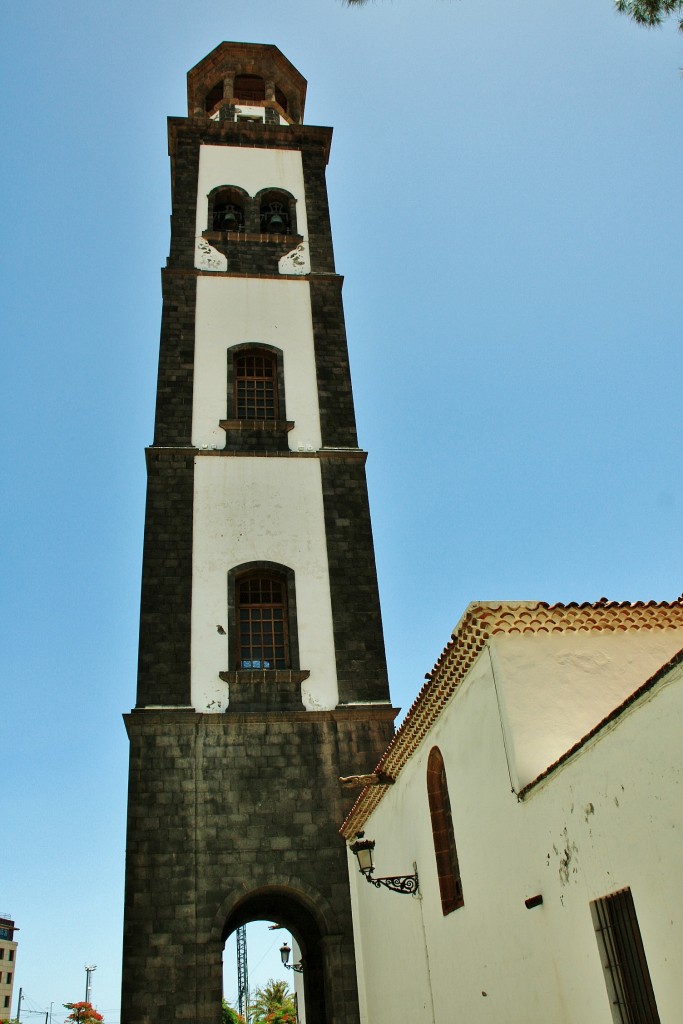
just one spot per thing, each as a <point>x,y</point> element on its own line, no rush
<point>623,956</point>
<point>255,386</point>
<point>263,629</point>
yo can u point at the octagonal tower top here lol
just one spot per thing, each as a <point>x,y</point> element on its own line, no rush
<point>246,81</point>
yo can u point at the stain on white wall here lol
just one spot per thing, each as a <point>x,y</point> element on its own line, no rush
<point>208,258</point>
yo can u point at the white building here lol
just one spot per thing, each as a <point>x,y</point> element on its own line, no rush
<point>555,896</point>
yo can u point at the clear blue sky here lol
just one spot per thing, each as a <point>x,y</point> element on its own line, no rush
<point>505,185</point>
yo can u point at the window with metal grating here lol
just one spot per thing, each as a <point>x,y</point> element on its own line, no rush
<point>255,386</point>
<point>623,957</point>
<point>262,622</point>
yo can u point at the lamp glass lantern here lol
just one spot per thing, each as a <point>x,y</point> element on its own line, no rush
<point>363,850</point>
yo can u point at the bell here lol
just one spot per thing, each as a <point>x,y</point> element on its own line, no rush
<point>230,222</point>
<point>276,223</point>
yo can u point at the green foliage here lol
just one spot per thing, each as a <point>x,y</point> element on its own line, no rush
<point>273,1004</point>
<point>230,1015</point>
<point>650,12</point>
<point>645,12</point>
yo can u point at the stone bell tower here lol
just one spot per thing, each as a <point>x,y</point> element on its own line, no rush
<point>262,675</point>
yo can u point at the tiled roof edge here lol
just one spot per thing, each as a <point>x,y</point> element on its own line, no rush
<point>482,620</point>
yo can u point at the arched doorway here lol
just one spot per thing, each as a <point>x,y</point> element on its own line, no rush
<point>289,910</point>
<point>255,975</point>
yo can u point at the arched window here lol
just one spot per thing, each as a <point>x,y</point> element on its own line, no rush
<point>262,621</point>
<point>249,88</point>
<point>227,216</point>
<point>276,214</point>
<point>255,377</point>
<point>226,209</point>
<point>446,854</point>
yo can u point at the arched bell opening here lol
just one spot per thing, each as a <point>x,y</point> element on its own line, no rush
<point>227,209</point>
<point>281,99</point>
<point>213,97</point>
<point>276,212</point>
<point>249,88</point>
<point>288,916</point>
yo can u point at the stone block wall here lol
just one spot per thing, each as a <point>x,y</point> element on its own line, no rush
<point>228,809</point>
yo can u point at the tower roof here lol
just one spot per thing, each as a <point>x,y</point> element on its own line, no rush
<point>241,61</point>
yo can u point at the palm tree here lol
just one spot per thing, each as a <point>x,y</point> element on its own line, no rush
<point>273,1002</point>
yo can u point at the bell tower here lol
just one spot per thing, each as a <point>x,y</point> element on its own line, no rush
<point>262,676</point>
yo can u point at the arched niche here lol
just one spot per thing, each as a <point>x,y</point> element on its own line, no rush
<point>228,209</point>
<point>277,211</point>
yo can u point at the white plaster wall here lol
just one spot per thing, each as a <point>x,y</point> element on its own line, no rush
<point>232,311</point>
<point>436,968</point>
<point>298,983</point>
<point>609,818</point>
<point>266,509</point>
<point>252,170</point>
<point>612,818</point>
<point>554,689</point>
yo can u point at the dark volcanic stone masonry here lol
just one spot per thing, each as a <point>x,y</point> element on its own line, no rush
<point>224,806</point>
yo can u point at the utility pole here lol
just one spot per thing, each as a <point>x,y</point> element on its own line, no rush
<point>88,983</point>
<point>242,973</point>
<point>21,996</point>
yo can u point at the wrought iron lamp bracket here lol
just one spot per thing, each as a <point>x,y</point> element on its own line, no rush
<point>408,884</point>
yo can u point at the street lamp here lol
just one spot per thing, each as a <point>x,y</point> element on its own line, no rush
<point>397,883</point>
<point>88,983</point>
<point>284,956</point>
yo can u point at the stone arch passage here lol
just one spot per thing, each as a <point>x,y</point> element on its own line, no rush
<point>288,910</point>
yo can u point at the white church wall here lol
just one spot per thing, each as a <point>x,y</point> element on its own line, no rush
<point>480,947</point>
<point>610,819</point>
<point>252,170</point>
<point>237,311</point>
<point>607,819</point>
<point>256,509</point>
<point>555,688</point>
